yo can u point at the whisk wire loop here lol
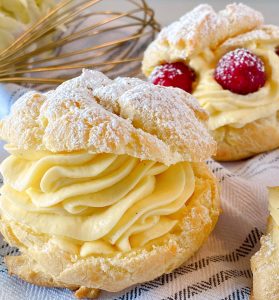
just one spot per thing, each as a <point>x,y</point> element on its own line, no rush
<point>80,34</point>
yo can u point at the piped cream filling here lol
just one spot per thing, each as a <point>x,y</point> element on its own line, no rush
<point>231,109</point>
<point>90,203</point>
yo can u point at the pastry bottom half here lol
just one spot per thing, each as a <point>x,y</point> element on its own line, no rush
<point>254,138</point>
<point>44,263</point>
<point>265,266</point>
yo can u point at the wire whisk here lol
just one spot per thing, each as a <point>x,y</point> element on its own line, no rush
<point>80,34</point>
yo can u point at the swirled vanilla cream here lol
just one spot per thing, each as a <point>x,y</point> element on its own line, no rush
<point>90,203</point>
<point>230,109</point>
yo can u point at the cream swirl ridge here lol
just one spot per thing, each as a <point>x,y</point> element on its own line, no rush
<point>227,108</point>
<point>94,203</point>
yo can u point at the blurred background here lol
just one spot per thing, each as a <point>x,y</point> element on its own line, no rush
<point>167,11</point>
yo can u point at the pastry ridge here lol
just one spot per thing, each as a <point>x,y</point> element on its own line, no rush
<point>260,34</point>
<point>124,116</point>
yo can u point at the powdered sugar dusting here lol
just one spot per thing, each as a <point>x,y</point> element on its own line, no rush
<point>199,29</point>
<point>185,28</point>
<point>240,71</point>
<point>107,95</point>
<point>123,116</point>
<point>262,34</point>
<point>203,27</point>
<point>265,268</point>
<point>240,57</point>
<point>163,112</point>
<point>177,74</point>
<point>158,73</point>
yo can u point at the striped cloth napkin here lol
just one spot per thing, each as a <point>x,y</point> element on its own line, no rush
<point>219,270</point>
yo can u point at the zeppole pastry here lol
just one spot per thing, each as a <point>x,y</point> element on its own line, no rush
<point>265,263</point>
<point>229,60</point>
<point>106,184</point>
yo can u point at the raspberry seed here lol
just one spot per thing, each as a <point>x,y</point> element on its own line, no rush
<point>241,72</point>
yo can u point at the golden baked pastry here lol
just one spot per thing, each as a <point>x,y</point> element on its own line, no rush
<point>106,184</point>
<point>265,263</point>
<point>229,60</point>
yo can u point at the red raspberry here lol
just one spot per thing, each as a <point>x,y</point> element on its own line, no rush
<point>241,72</point>
<point>174,74</point>
<point>277,50</point>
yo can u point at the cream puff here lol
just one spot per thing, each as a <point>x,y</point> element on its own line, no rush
<point>228,60</point>
<point>265,263</point>
<point>106,184</point>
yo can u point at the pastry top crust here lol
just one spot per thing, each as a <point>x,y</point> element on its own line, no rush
<point>262,34</point>
<point>265,267</point>
<point>121,116</point>
<point>199,29</point>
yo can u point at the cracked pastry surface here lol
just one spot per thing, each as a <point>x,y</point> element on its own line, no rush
<point>200,39</point>
<point>104,179</point>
